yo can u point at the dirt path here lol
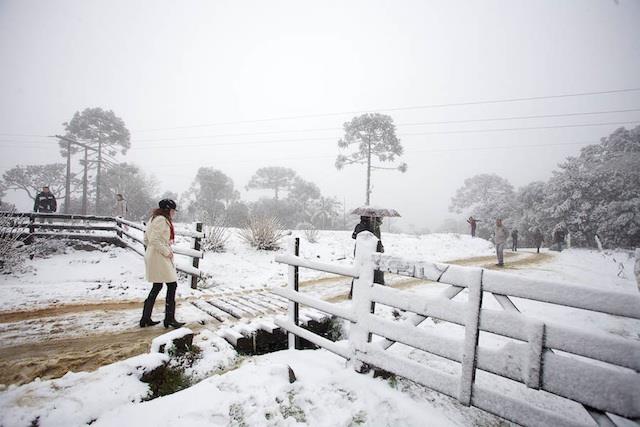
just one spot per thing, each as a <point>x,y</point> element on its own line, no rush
<point>51,359</point>
<point>523,259</point>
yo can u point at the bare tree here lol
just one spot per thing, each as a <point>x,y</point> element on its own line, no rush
<point>31,179</point>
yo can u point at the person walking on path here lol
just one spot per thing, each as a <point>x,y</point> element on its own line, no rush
<point>473,222</point>
<point>159,263</point>
<point>538,238</point>
<point>120,208</point>
<point>514,240</point>
<point>500,239</point>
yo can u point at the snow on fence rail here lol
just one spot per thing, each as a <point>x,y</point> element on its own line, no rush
<point>90,224</point>
<point>601,371</point>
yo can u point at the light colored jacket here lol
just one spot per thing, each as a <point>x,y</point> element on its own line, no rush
<point>158,267</point>
<point>501,235</point>
<point>120,208</point>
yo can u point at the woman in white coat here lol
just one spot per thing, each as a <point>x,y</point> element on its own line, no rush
<point>159,265</point>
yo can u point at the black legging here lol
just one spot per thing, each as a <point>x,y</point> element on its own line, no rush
<point>171,291</point>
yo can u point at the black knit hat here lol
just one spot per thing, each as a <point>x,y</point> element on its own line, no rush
<point>167,204</point>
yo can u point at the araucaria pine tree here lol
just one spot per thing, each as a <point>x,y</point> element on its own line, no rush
<point>377,143</point>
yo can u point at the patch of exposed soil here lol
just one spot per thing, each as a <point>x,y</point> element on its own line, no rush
<point>22,364</point>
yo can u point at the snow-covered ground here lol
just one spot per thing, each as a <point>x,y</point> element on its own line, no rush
<point>235,390</point>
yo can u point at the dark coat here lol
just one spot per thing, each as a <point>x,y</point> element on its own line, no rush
<point>538,238</point>
<point>45,203</point>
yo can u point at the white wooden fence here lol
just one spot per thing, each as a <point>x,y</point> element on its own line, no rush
<point>597,370</point>
<point>101,229</point>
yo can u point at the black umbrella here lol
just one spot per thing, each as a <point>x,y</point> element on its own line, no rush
<point>373,211</point>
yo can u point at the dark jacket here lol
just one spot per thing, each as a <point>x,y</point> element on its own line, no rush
<point>514,234</point>
<point>45,203</point>
<point>374,227</point>
<point>538,237</point>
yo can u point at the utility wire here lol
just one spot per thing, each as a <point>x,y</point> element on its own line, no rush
<point>540,116</point>
<point>437,150</point>
<point>415,107</point>
<point>324,139</point>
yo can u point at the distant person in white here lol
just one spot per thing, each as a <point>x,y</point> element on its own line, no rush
<point>120,208</point>
<point>500,239</point>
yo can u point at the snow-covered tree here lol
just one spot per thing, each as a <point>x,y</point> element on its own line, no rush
<point>375,137</point>
<point>598,192</point>
<point>31,179</point>
<point>301,194</point>
<point>101,130</point>
<point>274,178</point>
<point>209,195</point>
<point>486,197</point>
<point>138,189</point>
<point>326,211</point>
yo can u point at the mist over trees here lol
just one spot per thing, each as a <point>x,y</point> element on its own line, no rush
<point>102,131</point>
<point>374,136</point>
<point>274,178</point>
<point>597,192</point>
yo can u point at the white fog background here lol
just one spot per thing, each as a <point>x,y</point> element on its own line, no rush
<point>242,85</point>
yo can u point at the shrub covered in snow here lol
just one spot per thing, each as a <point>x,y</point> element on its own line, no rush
<point>263,232</point>
<point>12,248</point>
<point>310,232</point>
<point>216,236</point>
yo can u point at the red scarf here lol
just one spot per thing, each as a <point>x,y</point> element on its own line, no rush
<point>172,236</point>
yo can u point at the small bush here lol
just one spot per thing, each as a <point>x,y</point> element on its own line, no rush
<point>263,233</point>
<point>12,247</point>
<point>216,236</point>
<point>310,232</point>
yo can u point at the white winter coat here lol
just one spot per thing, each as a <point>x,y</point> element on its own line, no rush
<point>158,267</point>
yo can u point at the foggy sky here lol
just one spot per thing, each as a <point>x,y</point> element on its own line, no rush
<point>187,77</point>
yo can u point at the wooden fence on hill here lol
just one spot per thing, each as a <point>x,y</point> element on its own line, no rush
<point>113,230</point>
<point>599,371</point>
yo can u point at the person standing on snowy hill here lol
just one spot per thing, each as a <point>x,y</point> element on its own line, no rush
<point>514,240</point>
<point>500,238</point>
<point>159,263</point>
<point>473,223</point>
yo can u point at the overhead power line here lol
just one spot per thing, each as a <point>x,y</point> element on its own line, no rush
<point>414,107</point>
<point>539,116</point>
<point>324,139</point>
<point>436,150</point>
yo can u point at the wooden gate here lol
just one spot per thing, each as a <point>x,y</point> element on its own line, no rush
<point>597,370</point>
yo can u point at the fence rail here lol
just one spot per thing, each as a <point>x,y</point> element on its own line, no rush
<point>597,370</point>
<point>114,231</point>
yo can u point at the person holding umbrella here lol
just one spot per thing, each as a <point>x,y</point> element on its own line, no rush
<point>371,220</point>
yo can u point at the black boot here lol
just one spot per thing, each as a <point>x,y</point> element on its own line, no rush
<point>170,307</point>
<point>148,306</point>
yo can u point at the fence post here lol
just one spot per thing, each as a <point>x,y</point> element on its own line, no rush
<point>471,335</point>
<point>118,228</point>
<point>196,260</point>
<point>293,311</point>
<point>366,244</point>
